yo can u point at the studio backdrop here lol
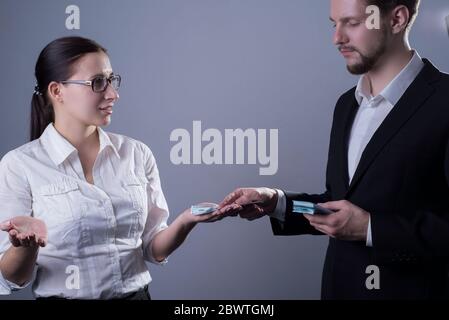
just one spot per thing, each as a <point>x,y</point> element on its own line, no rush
<point>226,93</point>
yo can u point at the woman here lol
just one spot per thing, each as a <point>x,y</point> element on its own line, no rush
<point>98,193</point>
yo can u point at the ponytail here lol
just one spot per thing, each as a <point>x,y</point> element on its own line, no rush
<point>42,115</point>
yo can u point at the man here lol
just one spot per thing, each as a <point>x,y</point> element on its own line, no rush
<point>387,177</point>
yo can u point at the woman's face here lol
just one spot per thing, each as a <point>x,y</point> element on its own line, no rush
<point>79,102</point>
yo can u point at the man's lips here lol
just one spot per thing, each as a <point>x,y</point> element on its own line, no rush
<point>346,52</point>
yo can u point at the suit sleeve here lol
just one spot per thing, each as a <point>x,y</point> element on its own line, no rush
<point>296,224</point>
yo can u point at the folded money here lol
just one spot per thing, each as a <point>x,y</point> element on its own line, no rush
<point>201,209</point>
<point>309,208</point>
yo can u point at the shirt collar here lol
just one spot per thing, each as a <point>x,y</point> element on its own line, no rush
<point>59,149</point>
<point>397,87</point>
<point>105,141</point>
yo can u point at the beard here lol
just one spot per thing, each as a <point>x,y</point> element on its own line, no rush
<point>368,60</point>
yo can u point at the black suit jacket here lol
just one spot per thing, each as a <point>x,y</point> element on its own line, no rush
<point>402,180</point>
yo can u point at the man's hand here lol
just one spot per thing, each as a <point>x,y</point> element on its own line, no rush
<point>349,222</point>
<point>253,203</point>
<point>25,231</point>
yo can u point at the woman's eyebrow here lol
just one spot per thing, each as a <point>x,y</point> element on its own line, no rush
<point>102,74</point>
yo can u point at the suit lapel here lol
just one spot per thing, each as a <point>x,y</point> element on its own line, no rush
<point>415,96</point>
<point>348,116</point>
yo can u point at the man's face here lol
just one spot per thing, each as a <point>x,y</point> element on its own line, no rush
<point>361,47</point>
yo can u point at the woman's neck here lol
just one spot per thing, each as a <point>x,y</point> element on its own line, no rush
<point>80,136</point>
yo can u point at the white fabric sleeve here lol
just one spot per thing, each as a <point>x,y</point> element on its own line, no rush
<point>369,239</point>
<point>281,207</point>
<point>157,207</point>
<point>15,200</point>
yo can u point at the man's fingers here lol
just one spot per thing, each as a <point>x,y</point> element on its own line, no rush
<point>317,219</point>
<point>247,211</point>
<point>230,198</point>
<point>245,200</point>
<point>254,216</point>
<point>322,228</point>
<point>240,196</point>
<point>232,210</point>
<point>251,212</point>
<point>333,205</point>
<point>327,226</point>
<point>229,210</point>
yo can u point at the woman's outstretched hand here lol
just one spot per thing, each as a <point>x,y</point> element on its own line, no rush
<point>25,231</point>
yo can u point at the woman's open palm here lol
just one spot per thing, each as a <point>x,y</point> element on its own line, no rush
<point>25,231</point>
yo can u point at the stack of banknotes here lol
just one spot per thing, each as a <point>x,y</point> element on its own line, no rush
<point>201,209</point>
<point>309,208</point>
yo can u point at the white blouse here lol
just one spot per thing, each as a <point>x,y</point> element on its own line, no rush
<point>99,236</point>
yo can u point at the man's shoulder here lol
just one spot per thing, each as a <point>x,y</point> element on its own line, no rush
<point>444,79</point>
<point>346,99</point>
<point>348,95</point>
<point>436,76</point>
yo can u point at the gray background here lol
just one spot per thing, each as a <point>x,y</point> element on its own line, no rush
<point>231,64</point>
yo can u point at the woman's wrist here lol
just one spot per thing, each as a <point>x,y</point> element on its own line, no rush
<point>188,219</point>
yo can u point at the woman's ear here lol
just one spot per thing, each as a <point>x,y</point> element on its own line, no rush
<point>55,92</point>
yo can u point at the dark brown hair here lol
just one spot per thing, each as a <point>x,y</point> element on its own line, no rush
<point>387,6</point>
<point>55,63</point>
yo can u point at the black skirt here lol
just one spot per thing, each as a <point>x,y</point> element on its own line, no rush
<point>141,294</point>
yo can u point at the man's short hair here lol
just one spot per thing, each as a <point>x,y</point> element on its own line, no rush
<point>387,6</point>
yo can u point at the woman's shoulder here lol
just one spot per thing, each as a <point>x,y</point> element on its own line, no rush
<point>28,149</point>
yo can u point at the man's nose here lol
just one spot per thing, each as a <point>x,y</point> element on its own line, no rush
<point>339,36</point>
